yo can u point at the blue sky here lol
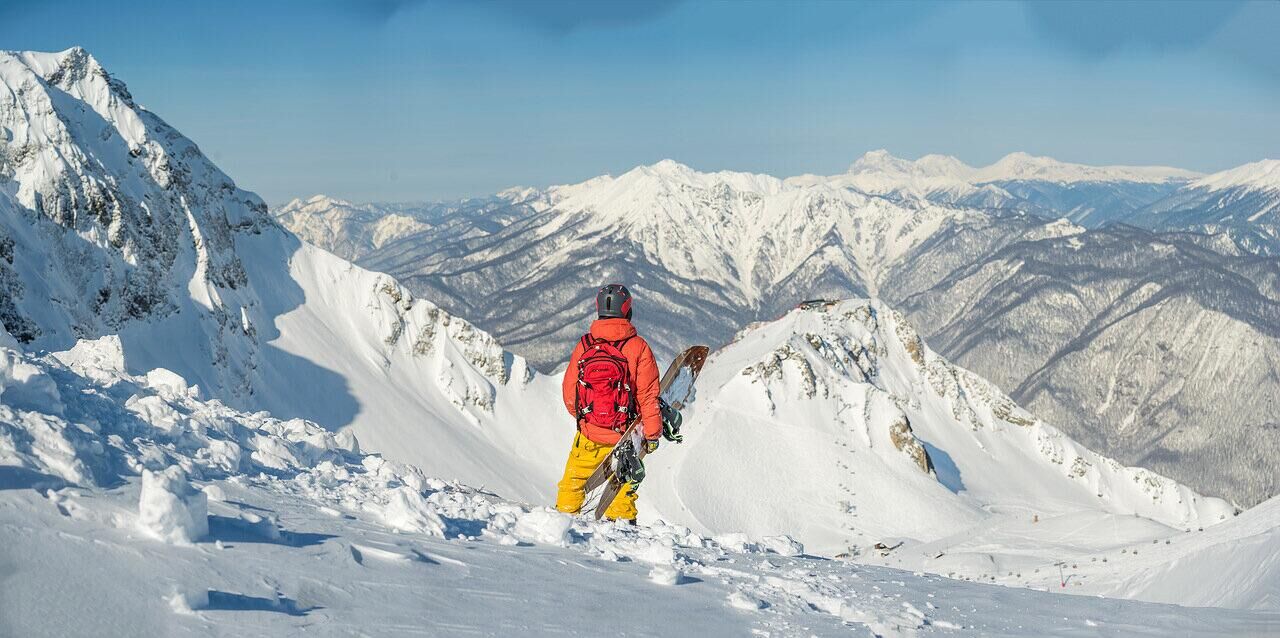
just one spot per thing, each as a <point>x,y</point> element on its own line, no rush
<point>407,100</point>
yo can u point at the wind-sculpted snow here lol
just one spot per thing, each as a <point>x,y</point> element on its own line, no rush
<point>1147,347</point>
<point>150,510</point>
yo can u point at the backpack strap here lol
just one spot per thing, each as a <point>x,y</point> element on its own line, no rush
<point>620,345</point>
<point>630,410</point>
<point>581,383</point>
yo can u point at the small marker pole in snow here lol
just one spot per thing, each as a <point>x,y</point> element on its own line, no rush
<point>1062,579</point>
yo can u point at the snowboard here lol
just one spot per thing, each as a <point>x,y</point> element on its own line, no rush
<point>676,388</point>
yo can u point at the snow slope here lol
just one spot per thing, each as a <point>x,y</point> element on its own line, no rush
<point>1067,321</point>
<point>129,254</point>
<point>244,524</point>
<point>1149,348</point>
<point>1261,175</point>
<point>839,426</point>
<point>1236,564</point>
<point>112,223</point>
<point>1242,203</point>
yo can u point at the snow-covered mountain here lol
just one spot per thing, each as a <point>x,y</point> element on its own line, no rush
<point>1242,203</point>
<point>715,249</point>
<point>345,229</point>
<point>150,511</point>
<point>705,253</point>
<point>838,425</point>
<point>1151,348</point>
<point>257,319</point>
<point>113,223</point>
<point>1089,195</point>
<point>1026,167</point>
<point>191,393</point>
<point>938,178</point>
<point>710,252</point>
<point>352,230</point>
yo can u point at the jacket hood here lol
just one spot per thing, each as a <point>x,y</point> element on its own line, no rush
<point>612,329</point>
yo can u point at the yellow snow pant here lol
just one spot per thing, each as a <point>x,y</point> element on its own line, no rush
<point>584,456</point>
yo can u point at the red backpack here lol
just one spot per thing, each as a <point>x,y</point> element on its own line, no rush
<point>605,396</point>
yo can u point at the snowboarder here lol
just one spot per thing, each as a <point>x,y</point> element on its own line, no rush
<point>612,379</point>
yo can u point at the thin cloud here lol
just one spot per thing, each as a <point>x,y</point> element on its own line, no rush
<point>378,11</point>
<point>1099,29</point>
<point>561,17</point>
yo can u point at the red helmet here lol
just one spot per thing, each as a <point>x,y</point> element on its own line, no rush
<point>613,300</point>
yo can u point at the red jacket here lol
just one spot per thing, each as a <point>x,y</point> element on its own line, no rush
<point>644,372</point>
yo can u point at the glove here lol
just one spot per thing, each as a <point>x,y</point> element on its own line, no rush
<point>651,446</point>
<point>671,421</point>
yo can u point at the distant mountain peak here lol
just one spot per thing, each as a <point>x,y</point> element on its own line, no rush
<point>881,162</point>
<point>667,168</point>
<point>668,165</point>
<point>327,200</point>
<point>878,161</point>
<point>1263,174</point>
<point>1021,165</point>
<point>1018,165</point>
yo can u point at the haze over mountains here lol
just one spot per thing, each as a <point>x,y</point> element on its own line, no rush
<point>1070,286</point>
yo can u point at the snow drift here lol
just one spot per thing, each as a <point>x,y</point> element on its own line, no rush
<point>292,526</point>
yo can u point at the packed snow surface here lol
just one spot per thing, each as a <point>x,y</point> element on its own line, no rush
<point>298,531</point>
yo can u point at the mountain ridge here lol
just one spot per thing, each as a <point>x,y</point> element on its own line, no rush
<point>712,252</point>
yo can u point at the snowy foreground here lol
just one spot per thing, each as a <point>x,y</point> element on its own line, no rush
<point>130,507</point>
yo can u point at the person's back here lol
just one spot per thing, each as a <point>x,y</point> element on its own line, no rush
<point>602,413</point>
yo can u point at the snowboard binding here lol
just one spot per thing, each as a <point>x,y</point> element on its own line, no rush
<point>630,469</point>
<point>671,421</point>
